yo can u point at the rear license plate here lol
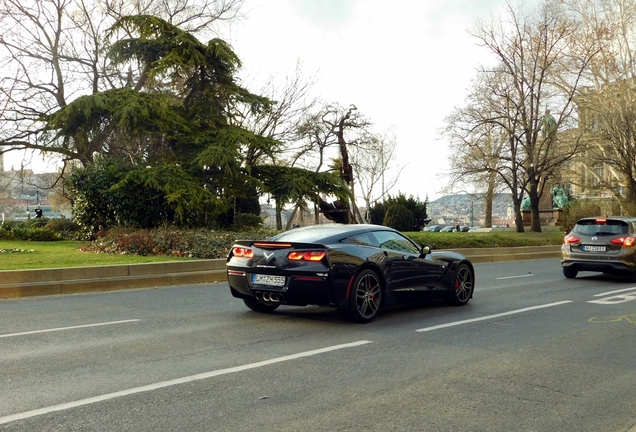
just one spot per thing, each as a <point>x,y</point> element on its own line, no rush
<point>587,248</point>
<point>270,280</point>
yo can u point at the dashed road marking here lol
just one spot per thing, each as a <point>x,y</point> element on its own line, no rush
<point>163,384</point>
<point>488,317</point>
<point>68,328</point>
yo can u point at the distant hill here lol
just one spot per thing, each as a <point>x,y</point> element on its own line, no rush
<point>458,208</point>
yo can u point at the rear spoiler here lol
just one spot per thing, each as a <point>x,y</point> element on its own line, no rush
<point>265,244</point>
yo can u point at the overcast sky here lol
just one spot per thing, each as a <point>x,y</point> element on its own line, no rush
<point>404,63</point>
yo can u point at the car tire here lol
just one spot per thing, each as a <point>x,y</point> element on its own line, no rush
<point>257,306</point>
<point>570,272</point>
<point>365,298</point>
<point>463,286</point>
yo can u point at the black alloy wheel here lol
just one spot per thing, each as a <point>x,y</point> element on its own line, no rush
<point>463,286</point>
<point>365,298</point>
<point>257,306</point>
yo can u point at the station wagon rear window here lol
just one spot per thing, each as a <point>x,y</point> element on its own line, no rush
<point>601,227</point>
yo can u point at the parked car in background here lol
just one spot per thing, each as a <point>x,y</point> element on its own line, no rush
<point>601,244</point>
<point>448,228</point>
<point>355,268</point>
<point>433,228</point>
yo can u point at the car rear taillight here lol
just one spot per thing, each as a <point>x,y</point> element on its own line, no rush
<point>272,245</point>
<point>570,239</point>
<point>624,241</point>
<point>242,252</point>
<point>306,255</point>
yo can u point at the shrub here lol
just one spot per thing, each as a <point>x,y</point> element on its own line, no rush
<point>578,209</point>
<point>399,217</point>
<point>6,231</point>
<point>199,243</point>
<point>62,224</point>
<point>377,213</point>
<point>247,220</point>
<point>35,234</point>
<point>29,230</point>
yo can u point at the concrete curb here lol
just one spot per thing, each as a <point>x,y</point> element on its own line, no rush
<point>28,283</point>
<point>484,255</point>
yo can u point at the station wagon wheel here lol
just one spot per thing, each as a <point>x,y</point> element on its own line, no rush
<point>463,286</point>
<point>570,272</point>
<point>365,297</point>
<point>257,306</point>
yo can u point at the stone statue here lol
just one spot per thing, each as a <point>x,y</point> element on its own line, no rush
<point>549,124</point>
<point>525,203</point>
<point>559,197</point>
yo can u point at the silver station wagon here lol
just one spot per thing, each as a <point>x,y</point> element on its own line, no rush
<point>601,244</point>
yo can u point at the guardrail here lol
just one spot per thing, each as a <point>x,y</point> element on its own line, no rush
<point>28,283</point>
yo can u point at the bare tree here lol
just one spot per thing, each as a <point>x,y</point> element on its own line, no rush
<point>372,162</point>
<point>477,145</point>
<point>293,100</point>
<point>536,70</point>
<point>607,103</point>
<point>329,134</point>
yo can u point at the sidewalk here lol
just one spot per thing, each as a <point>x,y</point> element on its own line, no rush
<point>28,283</point>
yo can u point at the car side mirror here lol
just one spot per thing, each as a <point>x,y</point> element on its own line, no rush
<point>426,249</point>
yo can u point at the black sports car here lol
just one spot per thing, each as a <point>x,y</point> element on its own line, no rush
<point>355,268</point>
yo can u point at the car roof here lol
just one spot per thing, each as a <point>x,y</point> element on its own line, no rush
<point>327,233</point>
<point>616,218</point>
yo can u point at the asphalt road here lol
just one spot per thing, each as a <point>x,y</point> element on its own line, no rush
<point>533,351</point>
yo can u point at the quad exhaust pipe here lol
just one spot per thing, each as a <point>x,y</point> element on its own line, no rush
<point>269,297</point>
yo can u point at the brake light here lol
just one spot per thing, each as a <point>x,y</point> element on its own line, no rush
<point>601,221</point>
<point>272,245</point>
<point>570,239</point>
<point>624,241</point>
<point>306,255</point>
<point>242,252</point>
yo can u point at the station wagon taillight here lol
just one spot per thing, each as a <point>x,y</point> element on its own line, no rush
<point>306,255</point>
<point>628,241</point>
<point>242,252</point>
<point>570,239</point>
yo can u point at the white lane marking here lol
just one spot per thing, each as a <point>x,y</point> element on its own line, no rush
<point>514,277</point>
<point>614,292</point>
<point>191,378</point>
<point>68,328</point>
<point>615,299</point>
<point>456,323</point>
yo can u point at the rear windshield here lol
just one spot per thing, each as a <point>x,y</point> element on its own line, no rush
<point>601,227</point>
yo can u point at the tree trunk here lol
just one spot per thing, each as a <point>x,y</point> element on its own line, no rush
<point>291,219</point>
<point>279,217</point>
<point>516,203</point>
<point>535,218</point>
<point>490,194</point>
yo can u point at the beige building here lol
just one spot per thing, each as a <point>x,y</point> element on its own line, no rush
<point>590,176</point>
